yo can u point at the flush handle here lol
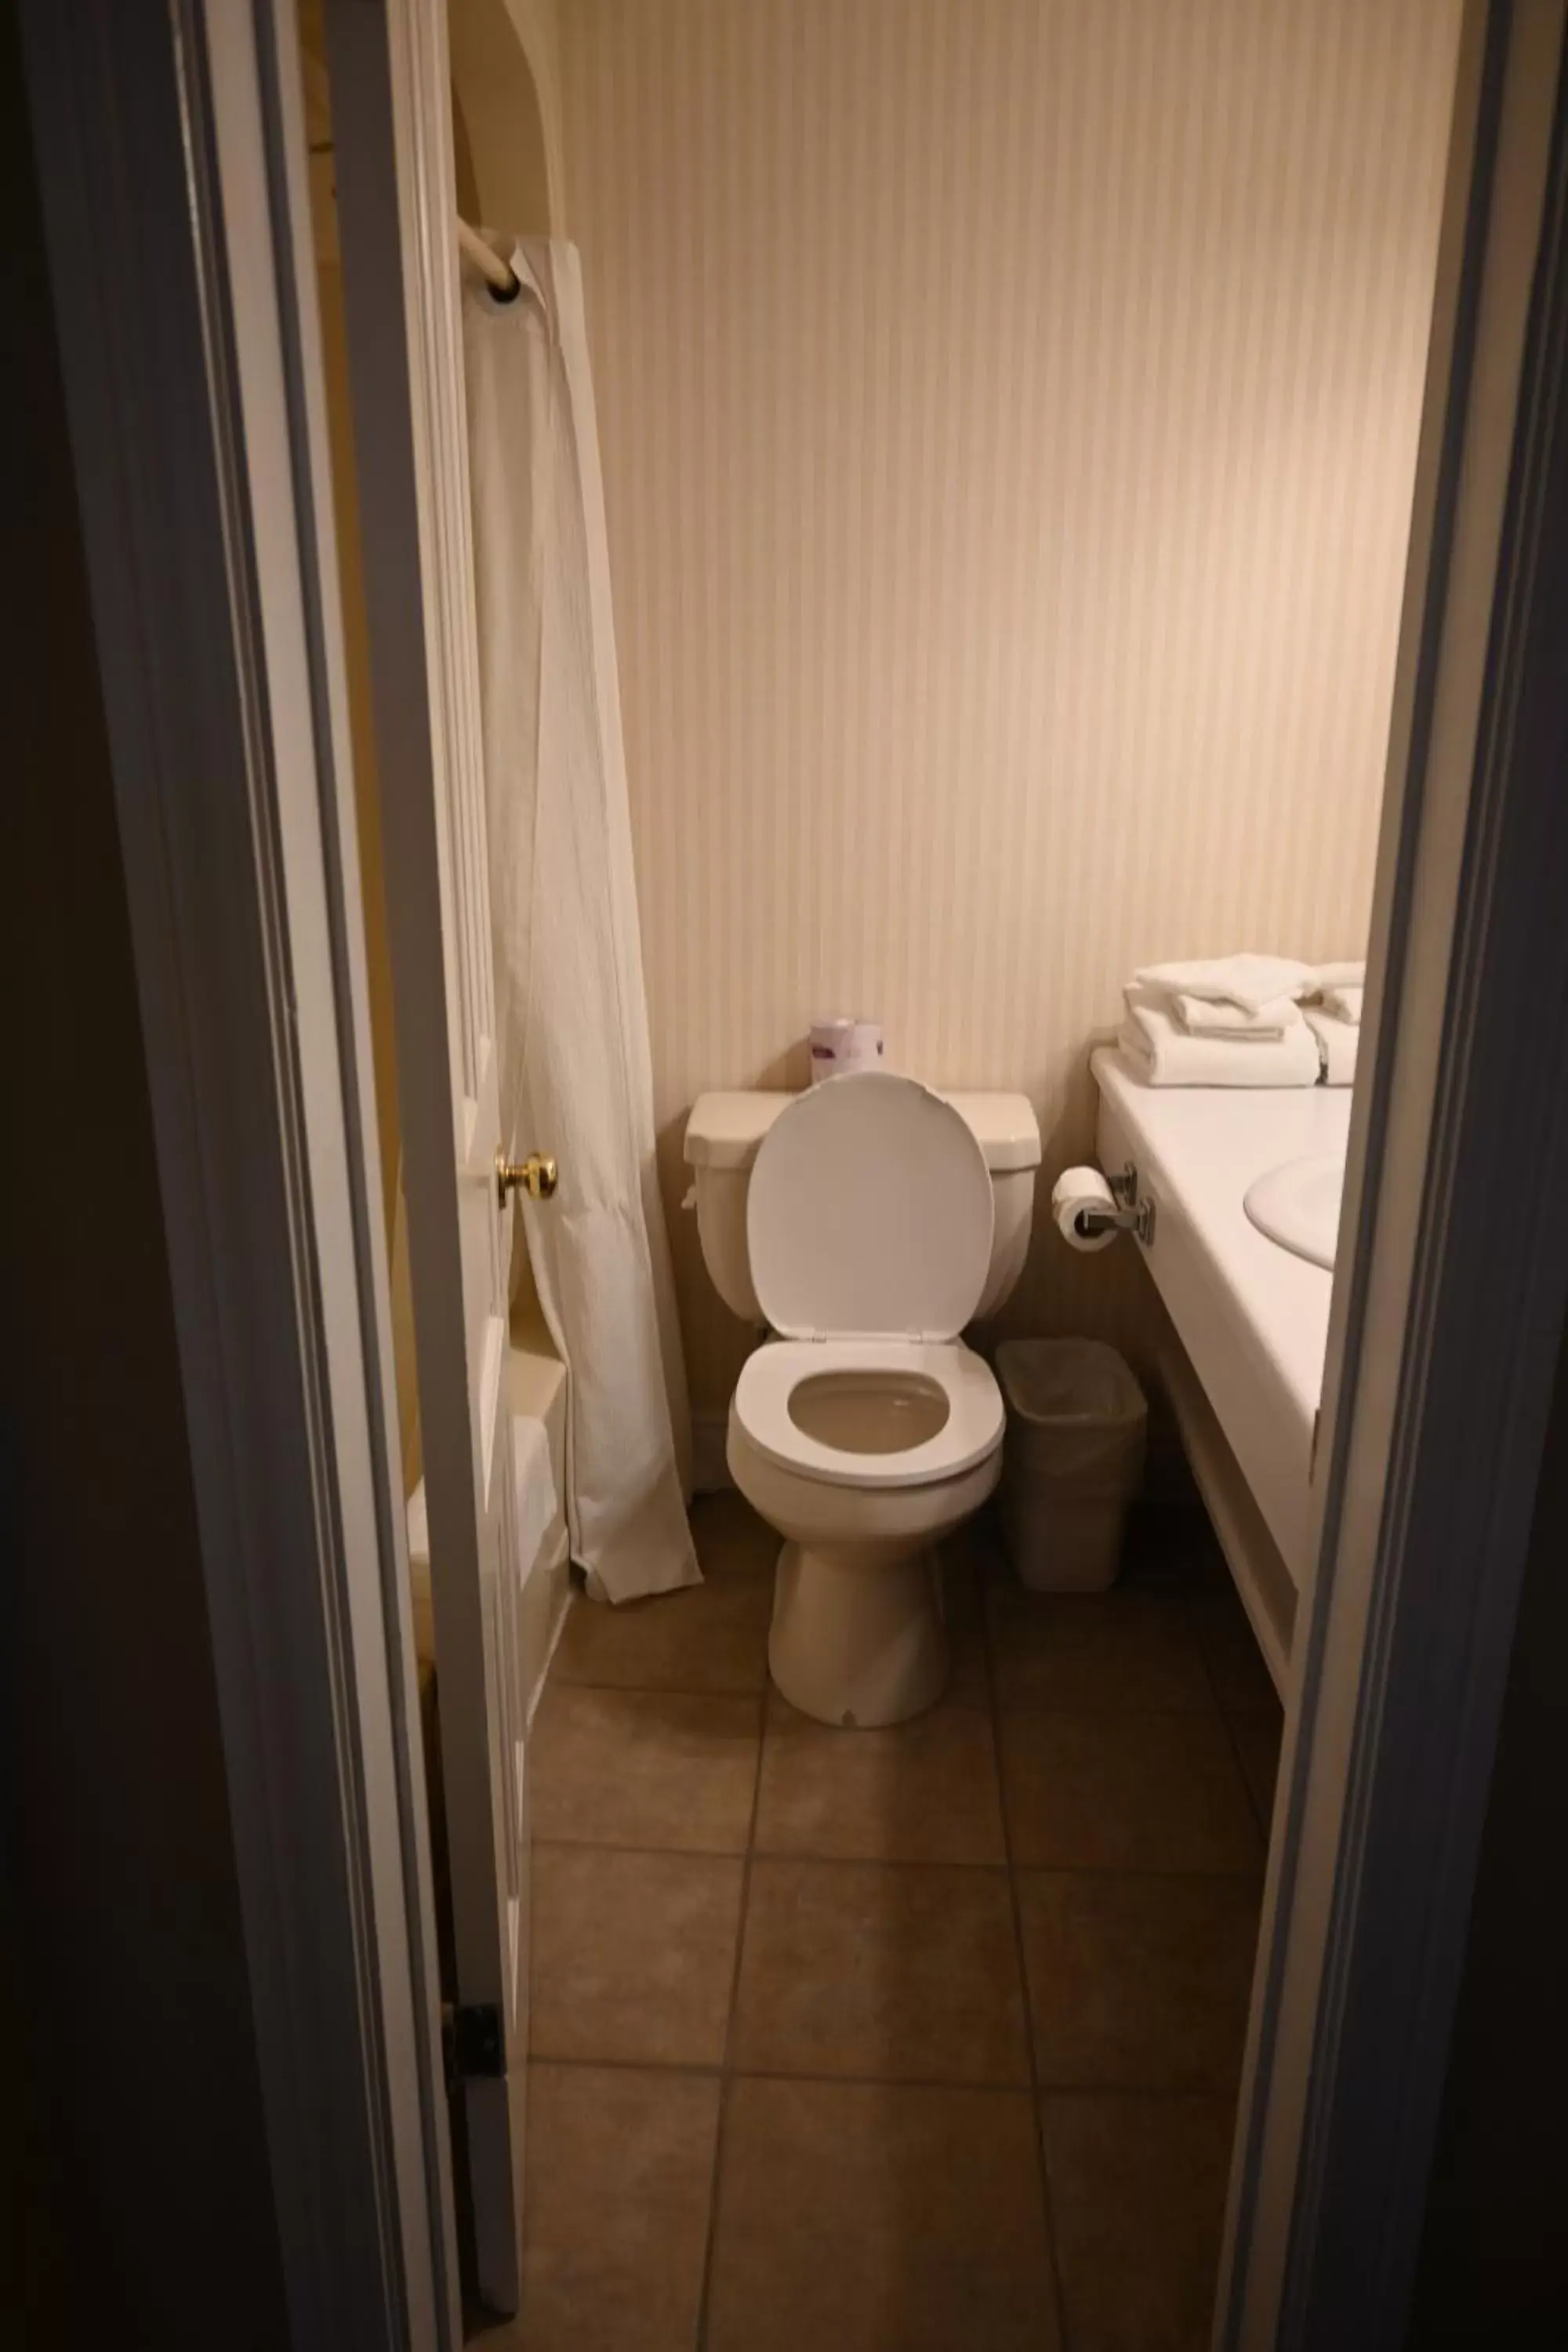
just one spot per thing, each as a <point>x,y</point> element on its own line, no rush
<point>538,1176</point>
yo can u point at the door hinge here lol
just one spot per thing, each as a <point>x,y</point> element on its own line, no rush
<point>473,2041</point>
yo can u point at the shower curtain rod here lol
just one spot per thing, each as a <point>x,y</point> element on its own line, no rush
<point>489,263</point>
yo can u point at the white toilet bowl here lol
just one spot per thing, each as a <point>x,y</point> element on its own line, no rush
<point>863,1454</point>
<point>866,1430</point>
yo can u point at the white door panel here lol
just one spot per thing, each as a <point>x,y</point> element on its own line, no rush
<point>397,202</point>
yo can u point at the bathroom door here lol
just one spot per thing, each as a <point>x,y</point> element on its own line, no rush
<point>396,207</point>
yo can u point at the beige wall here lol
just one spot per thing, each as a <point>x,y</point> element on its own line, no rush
<point>1008,413</point>
<point>506,108</point>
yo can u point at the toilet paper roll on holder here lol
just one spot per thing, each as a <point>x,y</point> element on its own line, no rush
<point>1131,1215</point>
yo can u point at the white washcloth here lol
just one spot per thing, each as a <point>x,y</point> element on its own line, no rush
<point>1250,980</point>
<point>1219,1016</point>
<point>1165,1055</point>
<point>1336,1040</point>
<point>1339,975</point>
<point>1344,1004</point>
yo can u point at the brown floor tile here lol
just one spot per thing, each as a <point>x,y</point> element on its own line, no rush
<point>1138,1983</point>
<point>886,1971</point>
<point>732,1538</point>
<point>1172,1548</point>
<point>633,1955</point>
<point>962,1593</point>
<point>1124,1792</point>
<point>1242,1683</point>
<point>922,1792</point>
<point>1256,1736</point>
<point>1137,2202</point>
<point>986,1545</point>
<point>620,2170</point>
<point>707,1637</point>
<point>874,2218</point>
<point>645,1768</point>
<point>1096,1650</point>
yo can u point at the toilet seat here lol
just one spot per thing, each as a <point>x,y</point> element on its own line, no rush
<point>870,1211</point>
<point>972,1430</point>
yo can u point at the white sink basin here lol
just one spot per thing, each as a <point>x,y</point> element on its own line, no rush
<point>1296,1205</point>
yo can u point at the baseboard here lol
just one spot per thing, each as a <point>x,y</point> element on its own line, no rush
<point>710,1466</point>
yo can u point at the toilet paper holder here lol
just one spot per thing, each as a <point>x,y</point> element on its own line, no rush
<point>1131,1215</point>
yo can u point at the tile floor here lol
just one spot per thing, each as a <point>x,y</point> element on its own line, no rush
<point>897,2041</point>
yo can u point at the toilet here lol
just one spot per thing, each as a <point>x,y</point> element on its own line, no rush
<point>865,1224</point>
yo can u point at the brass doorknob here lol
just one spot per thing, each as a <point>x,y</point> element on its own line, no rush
<point>537,1176</point>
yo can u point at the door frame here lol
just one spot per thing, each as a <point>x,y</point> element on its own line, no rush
<point>1446,1314</point>
<point>190,391</point>
<point>171,159</point>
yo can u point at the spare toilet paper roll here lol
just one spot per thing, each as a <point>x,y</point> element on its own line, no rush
<point>837,1046</point>
<point>1074,1190</point>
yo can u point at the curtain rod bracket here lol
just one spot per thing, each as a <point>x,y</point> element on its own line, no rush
<point>503,282</point>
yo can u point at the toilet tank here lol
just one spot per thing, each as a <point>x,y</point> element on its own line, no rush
<point>725,1134</point>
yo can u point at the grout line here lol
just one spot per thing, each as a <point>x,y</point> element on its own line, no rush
<point>1036,2112</point>
<point>763,1691</point>
<point>1199,1713</point>
<point>891,1862</point>
<point>730,1692</point>
<point>975,1704</point>
<point>787,1853</point>
<point>689,2070</point>
<point>726,2072</point>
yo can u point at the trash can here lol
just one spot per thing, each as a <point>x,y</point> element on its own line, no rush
<point>1072,1460</point>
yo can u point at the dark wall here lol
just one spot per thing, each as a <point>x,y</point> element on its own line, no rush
<point>133,2162</point>
<point>1492,2264</point>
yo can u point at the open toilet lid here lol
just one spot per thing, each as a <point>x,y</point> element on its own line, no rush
<point>870,1213</point>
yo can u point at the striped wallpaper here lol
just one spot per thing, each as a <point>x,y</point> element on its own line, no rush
<point>1008,412</point>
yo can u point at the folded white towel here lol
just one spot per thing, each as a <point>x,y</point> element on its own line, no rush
<point>1165,1055</point>
<point>1249,980</point>
<point>1219,1016</point>
<point>1338,1040</point>
<point>1344,1004</point>
<point>1340,975</point>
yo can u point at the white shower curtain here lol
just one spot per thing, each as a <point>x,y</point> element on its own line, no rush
<point>571,1016</point>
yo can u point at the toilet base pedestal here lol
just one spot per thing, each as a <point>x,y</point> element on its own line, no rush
<point>857,1637</point>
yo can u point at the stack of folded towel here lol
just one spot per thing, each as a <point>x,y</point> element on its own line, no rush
<point>1243,1021</point>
